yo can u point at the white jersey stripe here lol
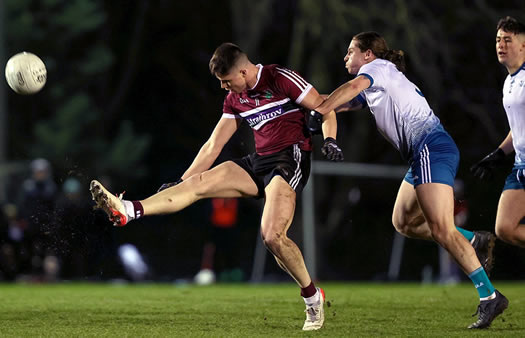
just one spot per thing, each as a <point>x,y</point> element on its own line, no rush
<point>300,86</point>
<point>426,174</point>
<point>230,116</point>
<point>422,165</point>
<point>298,174</point>
<point>294,75</point>
<point>264,107</point>
<point>301,97</point>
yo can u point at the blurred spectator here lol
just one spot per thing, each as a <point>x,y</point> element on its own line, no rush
<point>36,208</point>
<point>220,253</point>
<point>80,238</point>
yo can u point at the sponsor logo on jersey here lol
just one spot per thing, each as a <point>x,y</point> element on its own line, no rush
<point>255,120</point>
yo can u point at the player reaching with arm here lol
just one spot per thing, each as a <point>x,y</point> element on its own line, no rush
<point>510,49</point>
<point>424,206</point>
<point>273,100</point>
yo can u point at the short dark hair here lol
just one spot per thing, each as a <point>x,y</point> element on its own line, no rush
<point>224,58</point>
<point>511,25</point>
<point>377,44</point>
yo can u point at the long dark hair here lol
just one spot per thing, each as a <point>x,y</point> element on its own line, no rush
<point>377,44</point>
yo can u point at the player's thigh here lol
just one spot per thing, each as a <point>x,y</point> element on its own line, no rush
<point>279,208</point>
<point>511,209</point>
<point>436,201</point>
<point>226,180</point>
<point>406,207</point>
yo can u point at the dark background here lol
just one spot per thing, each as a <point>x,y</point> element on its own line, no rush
<point>129,98</point>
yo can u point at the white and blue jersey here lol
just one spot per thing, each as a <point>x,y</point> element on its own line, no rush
<point>514,104</point>
<point>405,119</point>
<point>401,112</point>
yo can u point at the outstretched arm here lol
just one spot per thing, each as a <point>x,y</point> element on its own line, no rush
<point>344,94</point>
<point>209,152</point>
<point>329,126</point>
<point>330,149</point>
<point>354,104</point>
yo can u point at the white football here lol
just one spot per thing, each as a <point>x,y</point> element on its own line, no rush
<point>25,73</point>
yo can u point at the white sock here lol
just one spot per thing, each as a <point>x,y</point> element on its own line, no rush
<point>314,300</point>
<point>130,210</point>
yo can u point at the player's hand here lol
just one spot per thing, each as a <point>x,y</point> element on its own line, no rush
<point>331,150</point>
<point>483,169</point>
<point>169,185</point>
<point>315,122</point>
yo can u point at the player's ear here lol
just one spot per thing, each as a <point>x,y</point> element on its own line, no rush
<point>243,72</point>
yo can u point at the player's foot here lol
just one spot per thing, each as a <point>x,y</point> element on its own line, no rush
<point>488,310</point>
<point>112,205</point>
<point>484,242</point>
<point>315,314</point>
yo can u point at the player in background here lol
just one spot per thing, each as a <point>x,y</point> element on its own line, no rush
<point>510,50</point>
<point>424,207</point>
<point>273,100</point>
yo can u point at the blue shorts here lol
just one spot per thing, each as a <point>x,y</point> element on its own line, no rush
<point>516,179</point>
<point>436,162</point>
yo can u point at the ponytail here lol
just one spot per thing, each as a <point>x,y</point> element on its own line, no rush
<point>377,44</point>
<point>397,57</point>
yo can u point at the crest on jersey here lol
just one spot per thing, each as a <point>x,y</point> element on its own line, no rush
<point>267,94</point>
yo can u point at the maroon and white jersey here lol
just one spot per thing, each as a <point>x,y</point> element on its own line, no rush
<point>272,109</point>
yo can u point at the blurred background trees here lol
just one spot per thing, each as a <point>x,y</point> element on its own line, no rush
<point>129,96</point>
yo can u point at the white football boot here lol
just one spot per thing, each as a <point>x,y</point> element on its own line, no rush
<point>315,314</point>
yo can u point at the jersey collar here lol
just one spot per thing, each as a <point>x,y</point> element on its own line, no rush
<point>258,75</point>
<point>516,72</point>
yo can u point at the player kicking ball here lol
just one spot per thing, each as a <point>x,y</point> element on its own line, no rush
<point>273,100</point>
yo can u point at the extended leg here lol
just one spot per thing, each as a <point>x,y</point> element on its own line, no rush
<point>225,180</point>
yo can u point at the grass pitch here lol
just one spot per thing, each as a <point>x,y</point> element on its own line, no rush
<point>244,310</point>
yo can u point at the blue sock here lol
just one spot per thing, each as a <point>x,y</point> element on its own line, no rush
<point>482,283</point>
<point>467,234</point>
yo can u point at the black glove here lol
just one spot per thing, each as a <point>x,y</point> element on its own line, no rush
<point>331,150</point>
<point>315,122</point>
<point>168,185</point>
<point>483,169</point>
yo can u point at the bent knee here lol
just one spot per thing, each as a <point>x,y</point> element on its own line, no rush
<point>401,227</point>
<point>441,234</point>
<point>273,240</point>
<point>405,226</point>
<point>505,232</point>
<point>200,185</point>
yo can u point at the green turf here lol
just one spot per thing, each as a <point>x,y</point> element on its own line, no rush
<point>243,310</point>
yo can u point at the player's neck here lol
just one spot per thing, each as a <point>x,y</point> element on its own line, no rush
<point>512,69</point>
<point>251,76</point>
